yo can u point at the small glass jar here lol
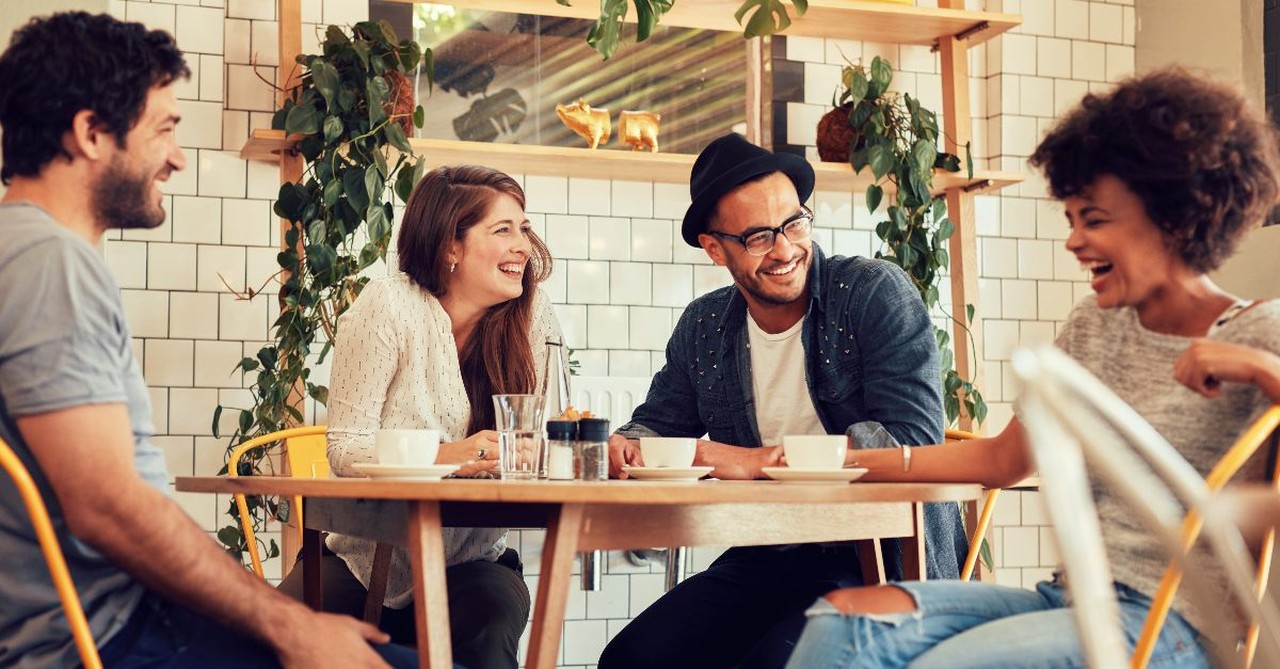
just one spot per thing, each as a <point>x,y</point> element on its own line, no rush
<point>593,449</point>
<point>561,459</point>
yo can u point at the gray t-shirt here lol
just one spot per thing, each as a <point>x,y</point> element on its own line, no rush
<point>1137,364</point>
<point>63,344</point>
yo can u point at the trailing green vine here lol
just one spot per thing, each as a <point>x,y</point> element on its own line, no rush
<point>767,17</point>
<point>897,139</point>
<point>350,115</point>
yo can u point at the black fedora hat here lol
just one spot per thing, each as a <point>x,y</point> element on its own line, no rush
<point>728,162</point>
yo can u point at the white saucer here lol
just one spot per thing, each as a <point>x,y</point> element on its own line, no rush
<point>378,471</point>
<point>666,473</point>
<point>814,475</point>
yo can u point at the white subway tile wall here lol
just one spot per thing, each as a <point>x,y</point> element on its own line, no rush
<point>622,274</point>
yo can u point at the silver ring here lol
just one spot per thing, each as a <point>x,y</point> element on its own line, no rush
<point>481,453</point>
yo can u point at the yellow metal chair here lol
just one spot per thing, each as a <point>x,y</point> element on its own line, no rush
<point>1244,448</point>
<point>304,448</point>
<point>306,453</point>
<point>983,515</point>
<point>53,556</point>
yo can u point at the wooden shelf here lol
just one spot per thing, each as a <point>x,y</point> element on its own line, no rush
<point>840,19</point>
<point>610,164</point>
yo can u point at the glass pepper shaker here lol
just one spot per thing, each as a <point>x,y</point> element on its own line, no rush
<point>593,449</point>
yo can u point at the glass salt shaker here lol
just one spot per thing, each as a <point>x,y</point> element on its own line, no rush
<point>561,435</point>
<point>593,449</point>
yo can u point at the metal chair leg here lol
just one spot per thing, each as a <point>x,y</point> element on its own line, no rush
<point>676,566</point>
<point>591,570</point>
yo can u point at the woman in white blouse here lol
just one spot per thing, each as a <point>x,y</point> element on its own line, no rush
<point>427,348</point>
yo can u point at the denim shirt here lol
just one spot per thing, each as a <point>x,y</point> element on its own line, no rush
<point>870,356</point>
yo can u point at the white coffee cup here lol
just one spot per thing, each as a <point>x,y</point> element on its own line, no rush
<point>406,447</point>
<point>668,451</point>
<point>815,451</point>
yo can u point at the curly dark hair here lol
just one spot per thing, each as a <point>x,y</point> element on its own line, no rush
<point>62,64</point>
<point>1202,161</point>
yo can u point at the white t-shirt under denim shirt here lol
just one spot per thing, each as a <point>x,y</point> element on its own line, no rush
<point>783,404</point>
<point>1137,364</point>
<point>395,365</point>
<point>64,343</point>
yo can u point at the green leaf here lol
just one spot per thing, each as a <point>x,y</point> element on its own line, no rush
<point>246,420</point>
<point>604,34</point>
<point>326,80</point>
<point>968,312</point>
<point>353,184</point>
<point>395,135</point>
<point>923,154</point>
<point>247,364</point>
<point>320,258</point>
<point>404,184</point>
<point>302,119</point>
<point>373,183</point>
<point>217,414</point>
<point>874,195</point>
<point>375,97</point>
<point>767,18</point>
<point>881,76</point>
<point>332,128</point>
<point>857,83</point>
<point>231,537</point>
<point>880,158</point>
<point>332,191</point>
<point>946,229</point>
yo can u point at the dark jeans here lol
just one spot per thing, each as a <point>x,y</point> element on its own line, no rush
<point>488,607</point>
<point>746,610</point>
<point>163,634</point>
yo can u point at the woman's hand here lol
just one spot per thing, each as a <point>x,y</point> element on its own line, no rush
<point>1207,363</point>
<point>478,454</point>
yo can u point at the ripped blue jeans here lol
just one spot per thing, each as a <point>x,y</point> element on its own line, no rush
<point>963,624</point>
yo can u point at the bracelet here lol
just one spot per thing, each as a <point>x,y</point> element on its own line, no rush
<point>906,458</point>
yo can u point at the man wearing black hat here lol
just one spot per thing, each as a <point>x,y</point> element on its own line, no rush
<point>801,344</point>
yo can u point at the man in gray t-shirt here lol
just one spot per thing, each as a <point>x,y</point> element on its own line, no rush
<point>88,140</point>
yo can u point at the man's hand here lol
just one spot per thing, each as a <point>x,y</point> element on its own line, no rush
<point>329,640</point>
<point>623,451</point>
<point>1207,363</point>
<point>737,462</point>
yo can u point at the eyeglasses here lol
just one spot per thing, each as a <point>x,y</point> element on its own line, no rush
<point>760,241</point>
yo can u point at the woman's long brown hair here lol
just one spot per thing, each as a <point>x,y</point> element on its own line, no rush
<point>443,206</point>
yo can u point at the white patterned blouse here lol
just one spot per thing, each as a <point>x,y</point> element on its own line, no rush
<point>395,365</point>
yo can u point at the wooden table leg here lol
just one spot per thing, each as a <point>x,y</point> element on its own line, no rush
<point>426,546</point>
<point>913,568</point>
<point>312,557</point>
<point>563,530</point>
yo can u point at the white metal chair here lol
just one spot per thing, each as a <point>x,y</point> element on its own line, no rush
<point>1070,417</point>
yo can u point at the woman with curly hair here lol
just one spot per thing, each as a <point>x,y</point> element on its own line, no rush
<point>1160,177</point>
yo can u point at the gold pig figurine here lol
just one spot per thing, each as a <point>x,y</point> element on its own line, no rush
<point>639,129</point>
<point>592,124</point>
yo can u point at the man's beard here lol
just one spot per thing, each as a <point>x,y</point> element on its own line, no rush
<point>122,200</point>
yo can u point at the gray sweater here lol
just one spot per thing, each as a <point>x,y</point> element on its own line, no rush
<point>1138,365</point>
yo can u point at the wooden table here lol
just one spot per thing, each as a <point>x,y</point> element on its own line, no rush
<point>585,516</point>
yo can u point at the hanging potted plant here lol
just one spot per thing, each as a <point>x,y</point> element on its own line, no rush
<point>351,114</point>
<point>897,139</point>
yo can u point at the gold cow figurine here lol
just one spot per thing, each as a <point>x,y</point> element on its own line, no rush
<point>639,129</point>
<point>592,124</point>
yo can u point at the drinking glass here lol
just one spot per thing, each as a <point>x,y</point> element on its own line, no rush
<point>519,425</point>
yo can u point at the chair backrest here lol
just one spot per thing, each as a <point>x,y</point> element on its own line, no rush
<point>611,397</point>
<point>53,556</point>
<point>305,452</point>
<point>1070,417</point>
